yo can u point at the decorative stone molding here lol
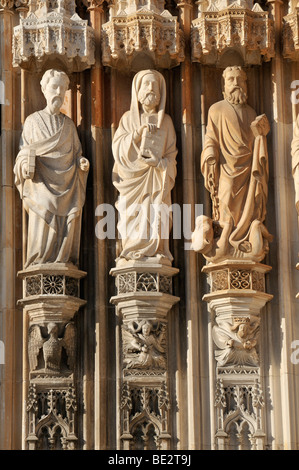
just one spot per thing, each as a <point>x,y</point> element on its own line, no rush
<point>239,416</point>
<point>227,26</point>
<point>53,31</point>
<point>51,415</point>
<point>141,286</point>
<point>145,416</point>
<point>6,4</point>
<point>141,33</point>
<point>232,275</point>
<point>234,295</point>
<point>51,292</point>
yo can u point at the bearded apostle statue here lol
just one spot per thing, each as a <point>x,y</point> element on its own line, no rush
<point>234,163</point>
<point>144,149</point>
<point>51,176</point>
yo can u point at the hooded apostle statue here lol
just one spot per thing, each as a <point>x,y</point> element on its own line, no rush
<point>234,163</point>
<point>144,149</point>
<point>51,176</point>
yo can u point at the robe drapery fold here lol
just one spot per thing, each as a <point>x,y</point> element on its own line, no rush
<point>241,168</point>
<point>55,196</point>
<point>143,188</point>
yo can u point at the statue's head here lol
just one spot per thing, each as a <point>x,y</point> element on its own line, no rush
<point>149,90</point>
<point>54,84</point>
<point>52,328</point>
<point>146,328</point>
<point>235,85</point>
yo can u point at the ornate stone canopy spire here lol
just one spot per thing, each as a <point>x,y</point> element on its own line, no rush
<point>53,31</point>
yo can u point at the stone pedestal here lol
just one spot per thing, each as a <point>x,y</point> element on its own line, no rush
<point>50,301</point>
<point>236,299</point>
<point>144,298</point>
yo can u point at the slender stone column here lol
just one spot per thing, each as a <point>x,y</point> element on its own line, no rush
<point>9,393</point>
<point>284,424</point>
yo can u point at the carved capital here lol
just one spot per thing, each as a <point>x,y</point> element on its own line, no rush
<point>6,4</point>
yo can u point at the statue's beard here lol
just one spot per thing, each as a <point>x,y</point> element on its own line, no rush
<point>55,104</point>
<point>236,96</point>
<point>149,99</point>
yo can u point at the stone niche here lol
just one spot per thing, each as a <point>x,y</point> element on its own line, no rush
<point>239,29</point>
<point>52,31</point>
<point>141,34</point>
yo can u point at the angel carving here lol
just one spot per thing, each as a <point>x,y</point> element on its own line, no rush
<point>52,347</point>
<point>144,345</point>
<point>237,343</point>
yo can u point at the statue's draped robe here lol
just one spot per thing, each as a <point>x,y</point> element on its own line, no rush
<point>241,168</point>
<point>143,187</point>
<point>55,196</point>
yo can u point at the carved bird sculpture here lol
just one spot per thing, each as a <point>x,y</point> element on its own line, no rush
<point>51,346</point>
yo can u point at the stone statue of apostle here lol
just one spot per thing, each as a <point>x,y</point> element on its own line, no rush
<point>51,175</point>
<point>144,149</point>
<point>234,163</point>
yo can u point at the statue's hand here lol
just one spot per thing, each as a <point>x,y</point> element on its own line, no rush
<point>151,160</point>
<point>152,127</point>
<point>84,164</point>
<point>25,171</point>
<point>138,133</point>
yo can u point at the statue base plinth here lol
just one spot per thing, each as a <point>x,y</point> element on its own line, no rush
<point>236,287</point>
<point>144,289</point>
<point>51,292</point>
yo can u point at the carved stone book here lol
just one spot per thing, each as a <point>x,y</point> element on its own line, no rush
<point>154,142</point>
